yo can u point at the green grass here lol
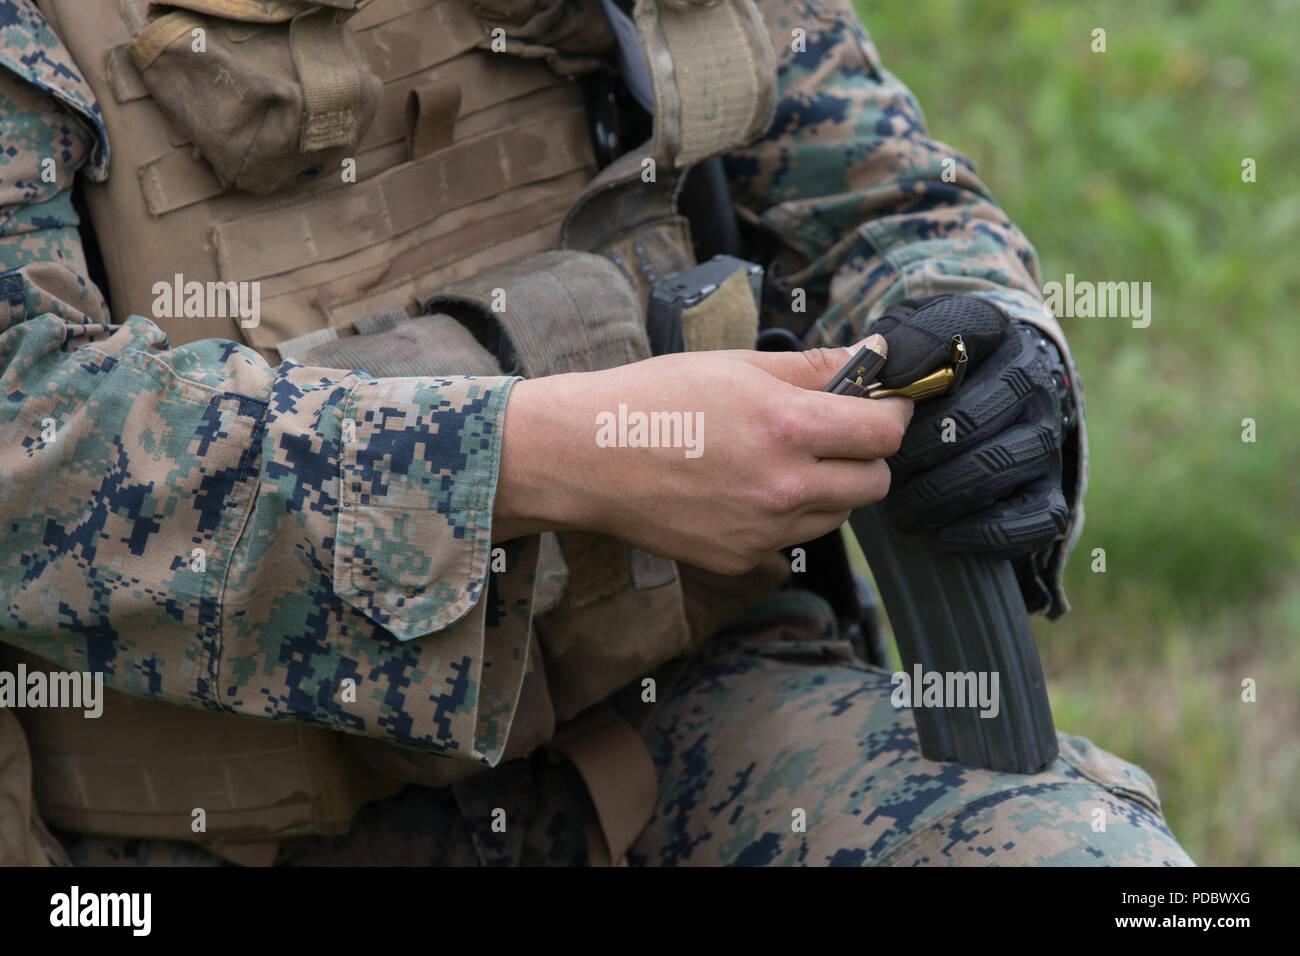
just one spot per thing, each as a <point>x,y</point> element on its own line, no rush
<point>1126,166</point>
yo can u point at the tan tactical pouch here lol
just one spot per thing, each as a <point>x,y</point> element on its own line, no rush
<point>270,92</point>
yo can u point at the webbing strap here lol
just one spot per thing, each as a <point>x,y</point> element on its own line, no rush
<point>123,78</point>
<point>153,39</point>
<point>175,180</point>
<point>482,83</point>
<point>278,240</point>
<point>430,254</point>
<point>247,11</point>
<point>252,11</point>
<point>714,76</point>
<point>431,110</point>
<point>330,77</point>
<point>421,39</point>
<point>619,774</point>
<point>370,14</point>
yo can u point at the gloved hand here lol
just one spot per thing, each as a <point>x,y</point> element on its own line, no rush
<point>980,468</point>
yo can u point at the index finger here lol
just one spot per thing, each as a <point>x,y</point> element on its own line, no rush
<point>845,426</point>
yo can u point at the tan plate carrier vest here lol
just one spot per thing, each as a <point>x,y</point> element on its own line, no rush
<point>460,161</point>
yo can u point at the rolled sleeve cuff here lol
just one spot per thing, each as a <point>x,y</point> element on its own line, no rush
<point>418,464</point>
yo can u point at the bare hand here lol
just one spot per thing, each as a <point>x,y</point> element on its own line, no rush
<point>759,457</point>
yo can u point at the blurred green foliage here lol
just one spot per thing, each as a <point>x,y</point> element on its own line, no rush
<point>1127,166</point>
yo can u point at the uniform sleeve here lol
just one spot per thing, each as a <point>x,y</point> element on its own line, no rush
<point>209,531</point>
<point>865,209</point>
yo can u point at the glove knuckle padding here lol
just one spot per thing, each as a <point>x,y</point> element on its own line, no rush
<point>1027,523</point>
<point>995,485</point>
<point>980,476</point>
<point>920,339</point>
<point>1011,385</point>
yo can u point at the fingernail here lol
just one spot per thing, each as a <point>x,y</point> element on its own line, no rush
<point>877,344</point>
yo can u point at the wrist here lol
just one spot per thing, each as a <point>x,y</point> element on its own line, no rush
<point>540,438</point>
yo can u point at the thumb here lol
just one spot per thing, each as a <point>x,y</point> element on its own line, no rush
<point>811,368</point>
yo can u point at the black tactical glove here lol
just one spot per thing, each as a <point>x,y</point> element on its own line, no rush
<point>980,468</point>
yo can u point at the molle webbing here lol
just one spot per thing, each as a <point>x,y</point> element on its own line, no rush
<point>329,227</point>
<point>178,178</point>
<point>163,212</point>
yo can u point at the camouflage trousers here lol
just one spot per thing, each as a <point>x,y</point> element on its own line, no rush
<point>774,746</point>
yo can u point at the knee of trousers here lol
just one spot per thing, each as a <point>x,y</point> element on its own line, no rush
<point>787,753</point>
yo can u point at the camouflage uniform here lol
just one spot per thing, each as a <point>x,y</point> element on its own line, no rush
<point>332,555</point>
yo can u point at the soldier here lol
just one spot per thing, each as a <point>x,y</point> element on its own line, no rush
<point>468,632</point>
